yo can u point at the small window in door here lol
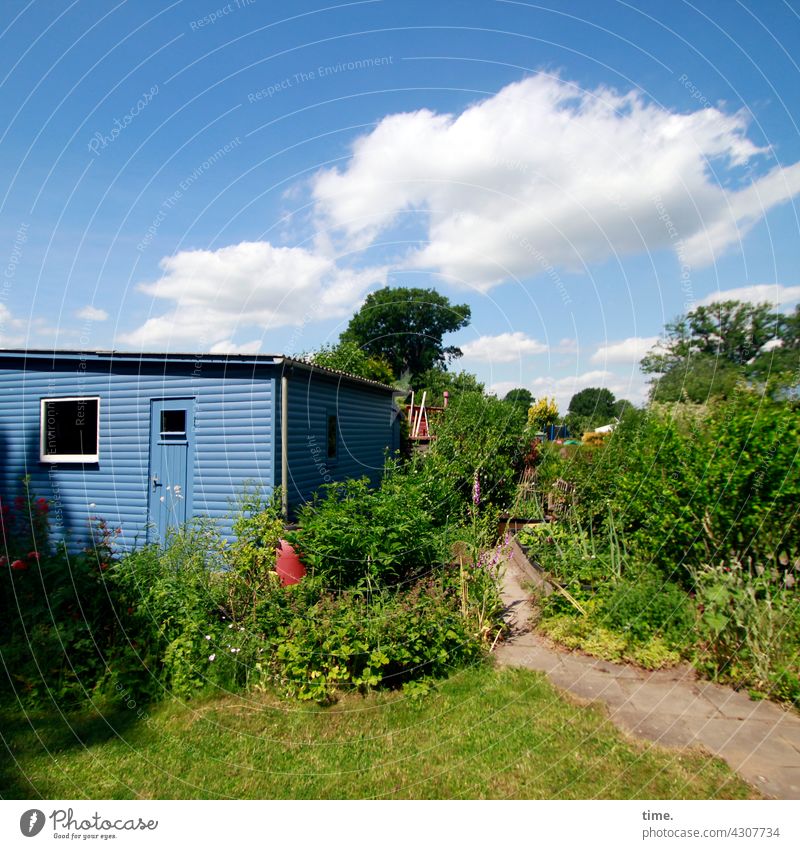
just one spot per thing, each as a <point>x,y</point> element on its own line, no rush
<point>173,422</point>
<point>332,437</point>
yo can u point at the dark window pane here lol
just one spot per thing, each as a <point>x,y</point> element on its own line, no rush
<point>70,427</point>
<point>173,421</point>
<point>331,436</point>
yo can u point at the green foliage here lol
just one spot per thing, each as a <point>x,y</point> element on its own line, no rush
<point>436,381</point>
<point>593,404</point>
<point>750,623</point>
<point>542,413</point>
<point>57,619</point>
<point>258,527</point>
<point>405,327</point>
<point>353,535</point>
<point>360,641</point>
<point>706,352</point>
<point>349,357</point>
<point>478,433</point>
<point>697,378</point>
<point>524,397</point>
<point>649,607</point>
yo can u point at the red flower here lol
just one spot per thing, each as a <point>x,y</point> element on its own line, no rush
<point>3,560</point>
<point>19,502</point>
<point>33,555</point>
<point>103,567</point>
<point>42,505</point>
<point>19,565</point>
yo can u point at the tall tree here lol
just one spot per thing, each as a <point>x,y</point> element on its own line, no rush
<point>522,397</point>
<point>705,352</point>
<point>406,326</point>
<point>593,402</point>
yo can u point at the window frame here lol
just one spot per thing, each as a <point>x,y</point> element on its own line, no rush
<point>66,458</point>
<point>331,459</point>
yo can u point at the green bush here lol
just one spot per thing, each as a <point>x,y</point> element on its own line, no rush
<point>649,607</point>
<point>355,536</point>
<point>479,434</point>
<point>749,615</point>
<point>362,641</point>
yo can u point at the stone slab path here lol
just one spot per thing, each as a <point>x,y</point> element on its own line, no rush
<point>672,707</point>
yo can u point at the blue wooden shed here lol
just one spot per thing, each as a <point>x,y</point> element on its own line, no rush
<point>147,441</point>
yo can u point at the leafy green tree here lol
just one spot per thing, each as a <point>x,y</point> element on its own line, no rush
<point>593,403</point>
<point>729,330</point>
<point>523,397</point>
<point>705,352</point>
<point>697,378</point>
<point>347,356</point>
<point>436,381</point>
<point>406,326</point>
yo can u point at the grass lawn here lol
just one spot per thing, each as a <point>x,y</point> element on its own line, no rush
<point>484,733</point>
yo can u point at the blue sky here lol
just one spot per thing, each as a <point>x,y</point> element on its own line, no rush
<point>239,176</point>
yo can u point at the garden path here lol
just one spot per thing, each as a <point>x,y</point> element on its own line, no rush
<point>672,707</point>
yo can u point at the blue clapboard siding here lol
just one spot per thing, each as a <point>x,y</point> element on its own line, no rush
<point>234,431</point>
<point>365,415</point>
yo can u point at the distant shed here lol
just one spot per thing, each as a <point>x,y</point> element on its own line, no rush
<point>147,441</point>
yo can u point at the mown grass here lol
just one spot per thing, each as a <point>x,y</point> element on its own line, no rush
<point>485,733</point>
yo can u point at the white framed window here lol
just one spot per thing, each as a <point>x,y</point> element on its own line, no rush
<point>69,430</point>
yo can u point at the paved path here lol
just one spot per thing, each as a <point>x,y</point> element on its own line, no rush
<point>760,740</point>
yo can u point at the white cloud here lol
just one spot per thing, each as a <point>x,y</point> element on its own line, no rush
<point>92,313</point>
<point>252,284</point>
<point>504,348</point>
<point>629,350</point>
<point>546,174</point>
<point>632,386</point>
<point>10,329</point>
<point>228,347</point>
<point>770,293</point>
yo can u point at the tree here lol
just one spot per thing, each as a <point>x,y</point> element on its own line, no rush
<point>704,353</point>
<point>347,356</point>
<point>593,403</point>
<point>697,379</point>
<point>729,330</point>
<point>405,327</point>
<point>523,397</point>
<point>543,413</point>
<point>436,381</point>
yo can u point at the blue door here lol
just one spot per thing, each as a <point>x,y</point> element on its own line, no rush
<point>171,461</point>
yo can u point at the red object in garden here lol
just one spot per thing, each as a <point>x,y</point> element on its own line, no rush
<point>19,565</point>
<point>288,565</point>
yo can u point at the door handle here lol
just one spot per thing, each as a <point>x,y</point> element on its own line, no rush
<point>156,482</point>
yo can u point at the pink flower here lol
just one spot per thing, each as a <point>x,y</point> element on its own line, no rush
<point>476,490</point>
<point>33,555</point>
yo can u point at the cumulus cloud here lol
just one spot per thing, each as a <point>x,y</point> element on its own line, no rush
<point>630,386</point>
<point>251,284</point>
<point>504,348</point>
<point>546,174</point>
<point>770,293</point>
<point>92,313</point>
<point>11,329</point>
<point>629,350</point>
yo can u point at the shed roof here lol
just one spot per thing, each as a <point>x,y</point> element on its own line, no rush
<point>165,357</point>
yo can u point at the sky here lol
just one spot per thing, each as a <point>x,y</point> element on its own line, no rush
<point>209,176</point>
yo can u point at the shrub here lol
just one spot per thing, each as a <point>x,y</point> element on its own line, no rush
<point>749,615</point>
<point>360,641</point>
<point>649,607</point>
<point>356,536</point>
<point>476,433</point>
